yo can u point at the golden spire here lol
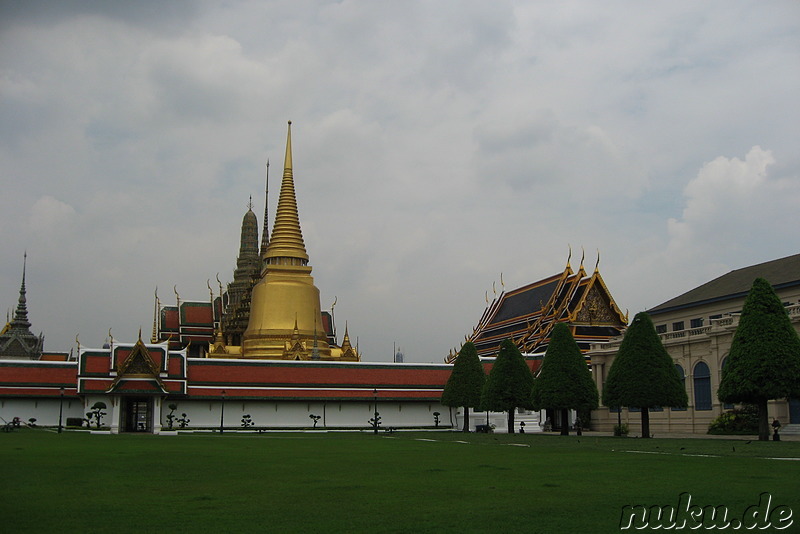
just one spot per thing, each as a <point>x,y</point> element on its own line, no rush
<point>286,243</point>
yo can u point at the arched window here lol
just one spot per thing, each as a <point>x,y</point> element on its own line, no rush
<point>682,376</point>
<point>725,406</point>
<point>702,387</point>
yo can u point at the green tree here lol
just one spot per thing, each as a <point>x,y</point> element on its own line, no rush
<point>466,381</point>
<point>509,384</point>
<point>764,360</point>
<point>643,374</point>
<point>564,382</point>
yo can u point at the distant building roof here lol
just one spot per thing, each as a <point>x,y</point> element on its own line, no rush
<point>781,273</point>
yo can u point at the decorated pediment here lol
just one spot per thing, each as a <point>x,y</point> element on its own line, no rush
<point>597,307</point>
<point>295,350</point>
<point>137,365</point>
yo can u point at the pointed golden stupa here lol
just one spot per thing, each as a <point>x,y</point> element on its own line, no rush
<point>285,319</point>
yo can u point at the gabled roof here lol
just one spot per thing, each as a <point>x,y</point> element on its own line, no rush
<point>528,314</point>
<point>781,273</point>
<point>138,364</point>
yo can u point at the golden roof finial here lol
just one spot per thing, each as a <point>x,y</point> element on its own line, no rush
<point>583,255</point>
<point>346,344</point>
<point>502,284</point>
<point>597,263</point>
<point>569,257</point>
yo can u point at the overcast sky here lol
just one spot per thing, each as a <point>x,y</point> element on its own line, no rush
<point>436,145</point>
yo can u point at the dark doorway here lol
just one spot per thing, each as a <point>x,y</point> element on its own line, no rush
<point>794,411</point>
<point>137,413</point>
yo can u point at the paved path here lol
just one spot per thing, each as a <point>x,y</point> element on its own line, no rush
<point>680,435</point>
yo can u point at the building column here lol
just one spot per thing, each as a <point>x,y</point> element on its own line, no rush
<point>155,421</point>
<point>115,413</point>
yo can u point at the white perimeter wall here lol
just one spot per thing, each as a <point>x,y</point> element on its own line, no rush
<point>285,414</point>
<point>44,410</point>
<point>204,413</point>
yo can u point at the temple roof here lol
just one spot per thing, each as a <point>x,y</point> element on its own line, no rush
<point>527,314</point>
<point>16,338</point>
<point>783,272</point>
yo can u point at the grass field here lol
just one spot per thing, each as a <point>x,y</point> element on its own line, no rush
<point>358,482</point>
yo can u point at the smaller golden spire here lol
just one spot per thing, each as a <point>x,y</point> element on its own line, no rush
<point>154,336</point>
<point>346,340</point>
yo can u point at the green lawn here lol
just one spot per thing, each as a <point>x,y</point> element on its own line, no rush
<point>357,482</point>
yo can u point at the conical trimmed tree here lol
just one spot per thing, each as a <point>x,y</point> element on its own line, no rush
<point>643,374</point>
<point>466,381</point>
<point>764,360</point>
<point>509,384</point>
<point>564,382</point>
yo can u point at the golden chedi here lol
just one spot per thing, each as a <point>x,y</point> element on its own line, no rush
<point>285,319</point>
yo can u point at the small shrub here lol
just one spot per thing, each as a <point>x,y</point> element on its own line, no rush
<point>247,421</point>
<point>75,421</point>
<point>171,417</point>
<point>739,421</point>
<point>621,430</point>
<point>183,422</point>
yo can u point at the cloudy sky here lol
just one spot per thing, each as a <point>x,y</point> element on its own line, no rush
<point>436,145</point>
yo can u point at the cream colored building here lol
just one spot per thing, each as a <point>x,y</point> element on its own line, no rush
<point>697,328</point>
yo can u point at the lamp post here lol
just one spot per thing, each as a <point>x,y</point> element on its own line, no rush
<point>375,419</point>
<point>60,409</point>
<point>222,413</point>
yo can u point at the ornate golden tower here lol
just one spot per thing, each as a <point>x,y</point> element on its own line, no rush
<point>285,319</point>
